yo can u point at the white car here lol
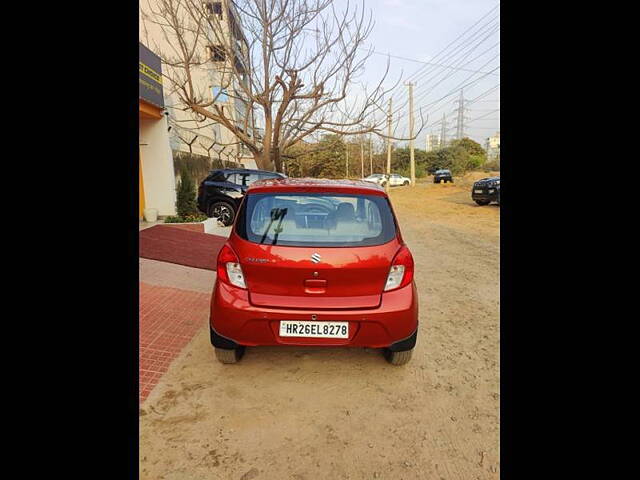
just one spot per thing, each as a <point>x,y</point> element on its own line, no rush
<point>381,179</point>
<point>376,178</point>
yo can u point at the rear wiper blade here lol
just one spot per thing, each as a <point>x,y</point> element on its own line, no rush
<point>276,213</point>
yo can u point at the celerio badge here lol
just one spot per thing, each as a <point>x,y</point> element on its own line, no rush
<point>315,258</point>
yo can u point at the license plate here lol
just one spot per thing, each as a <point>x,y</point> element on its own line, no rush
<point>314,329</point>
<point>478,191</point>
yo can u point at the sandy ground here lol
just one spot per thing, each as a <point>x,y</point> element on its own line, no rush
<point>310,413</point>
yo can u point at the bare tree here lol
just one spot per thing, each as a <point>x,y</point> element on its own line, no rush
<point>188,143</point>
<point>292,63</point>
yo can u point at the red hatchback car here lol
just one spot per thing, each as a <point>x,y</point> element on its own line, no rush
<point>315,262</point>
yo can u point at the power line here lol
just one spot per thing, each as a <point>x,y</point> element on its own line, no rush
<point>443,123</point>
<point>470,76</point>
<point>458,63</point>
<point>455,90</point>
<point>460,85</point>
<point>427,63</point>
<point>486,114</point>
<point>484,95</point>
<point>463,44</point>
<point>462,34</point>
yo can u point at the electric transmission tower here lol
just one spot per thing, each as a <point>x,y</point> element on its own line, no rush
<point>460,116</point>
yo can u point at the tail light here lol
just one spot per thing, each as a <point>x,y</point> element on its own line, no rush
<point>228,269</point>
<point>401,272</point>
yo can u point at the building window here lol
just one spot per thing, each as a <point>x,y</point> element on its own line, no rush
<point>215,8</point>
<point>217,53</point>
<point>220,94</point>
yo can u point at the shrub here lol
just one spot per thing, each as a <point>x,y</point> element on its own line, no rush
<point>492,166</point>
<point>187,219</point>
<point>476,161</point>
<point>421,171</point>
<point>460,161</point>
<point>186,196</point>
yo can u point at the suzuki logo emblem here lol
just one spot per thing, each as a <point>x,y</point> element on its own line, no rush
<point>315,258</point>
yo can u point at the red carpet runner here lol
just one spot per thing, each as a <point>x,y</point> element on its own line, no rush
<point>184,247</point>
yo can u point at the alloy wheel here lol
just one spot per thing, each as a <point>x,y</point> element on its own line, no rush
<point>222,213</point>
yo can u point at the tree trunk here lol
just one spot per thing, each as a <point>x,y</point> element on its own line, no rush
<point>263,161</point>
<point>277,160</point>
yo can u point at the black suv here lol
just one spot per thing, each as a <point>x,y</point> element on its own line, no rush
<point>220,194</point>
<point>486,190</point>
<point>442,176</point>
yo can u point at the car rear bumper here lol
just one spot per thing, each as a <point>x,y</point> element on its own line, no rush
<point>234,321</point>
<point>484,197</point>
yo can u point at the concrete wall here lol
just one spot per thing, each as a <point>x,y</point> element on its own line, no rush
<point>157,166</point>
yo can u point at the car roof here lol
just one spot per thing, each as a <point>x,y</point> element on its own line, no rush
<point>244,170</point>
<point>315,185</point>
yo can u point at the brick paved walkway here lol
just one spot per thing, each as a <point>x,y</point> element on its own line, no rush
<point>177,245</point>
<point>169,318</point>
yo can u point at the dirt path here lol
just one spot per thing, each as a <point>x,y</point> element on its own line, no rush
<point>308,413</point>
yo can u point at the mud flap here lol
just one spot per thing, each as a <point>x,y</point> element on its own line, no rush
<point>406,344</point>
<point>219,341</point>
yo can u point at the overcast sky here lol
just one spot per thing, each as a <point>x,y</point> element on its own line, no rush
<point>422,30</point>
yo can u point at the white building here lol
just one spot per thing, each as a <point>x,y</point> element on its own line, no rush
<point>213,81</point>
<point>433,142</point>
<point>492,146</point>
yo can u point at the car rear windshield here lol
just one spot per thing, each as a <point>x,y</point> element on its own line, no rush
<point>318,220</point>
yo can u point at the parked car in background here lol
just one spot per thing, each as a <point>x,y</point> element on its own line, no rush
<point>220,194</point>
<point>376,178</point>
<point>442,175</point>
<point>315,263</point>
<point>486,190</point>
<point>396,180</point>
<point>381,179</point>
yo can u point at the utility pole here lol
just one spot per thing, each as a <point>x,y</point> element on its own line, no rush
<point>388,148</point>
<point>443,132</point>
<point>370,156</point>
<point>412,161</point>
<point>347,150</point>
<point>362,156</point>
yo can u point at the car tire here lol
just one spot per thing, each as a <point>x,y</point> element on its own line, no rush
<point>223,211</point>
<point>436,181</point>
<point>383,184</point>
<point>482,202</point>
<point>398,358</point>
<point>405,184</point>
<point>226,356</point>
